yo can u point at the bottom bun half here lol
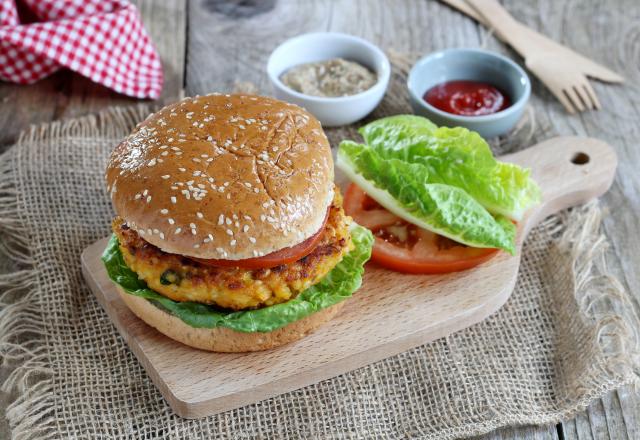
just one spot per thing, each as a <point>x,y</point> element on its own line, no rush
<point>222,339</point>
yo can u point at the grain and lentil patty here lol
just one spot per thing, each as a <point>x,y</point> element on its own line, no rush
<point>183,279</point>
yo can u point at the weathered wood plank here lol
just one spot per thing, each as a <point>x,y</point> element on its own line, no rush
<point>580,26</point>
<point>67,95</point>
<point>615,416</point>
<point>523,432</point>
<point>231,42</point>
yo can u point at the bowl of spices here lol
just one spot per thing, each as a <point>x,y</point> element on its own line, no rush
<point>473,88</point>
<point>339,78</point>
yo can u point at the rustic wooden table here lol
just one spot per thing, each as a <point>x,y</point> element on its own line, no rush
<point>210,45</point>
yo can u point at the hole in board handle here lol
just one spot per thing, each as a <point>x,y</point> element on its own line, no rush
<point>580,158</point>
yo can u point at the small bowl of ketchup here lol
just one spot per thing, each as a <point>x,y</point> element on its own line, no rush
<point>472,88</point>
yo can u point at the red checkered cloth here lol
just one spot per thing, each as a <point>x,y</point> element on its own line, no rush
<point>103,40</point>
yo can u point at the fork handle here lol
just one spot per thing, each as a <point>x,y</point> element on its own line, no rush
<point>510,30</point>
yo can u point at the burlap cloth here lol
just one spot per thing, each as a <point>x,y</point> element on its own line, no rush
<point>566,336</point>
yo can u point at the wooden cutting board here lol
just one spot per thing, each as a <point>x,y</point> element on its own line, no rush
<point>390,314</point>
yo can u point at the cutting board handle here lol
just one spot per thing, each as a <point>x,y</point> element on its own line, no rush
<point>570,171</point>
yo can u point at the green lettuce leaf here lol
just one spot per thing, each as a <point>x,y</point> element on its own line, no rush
<point>403,188</point>
<point>339,284</point>
<point>456,157</point>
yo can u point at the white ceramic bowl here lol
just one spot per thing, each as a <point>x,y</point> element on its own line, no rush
<point>321,46</point>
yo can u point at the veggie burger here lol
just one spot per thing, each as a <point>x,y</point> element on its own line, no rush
<point>230,234</point>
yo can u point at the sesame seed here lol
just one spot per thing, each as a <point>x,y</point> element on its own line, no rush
<point>152,162</point>
<point>178,230</point>
<point>182,169</point>
<point>164,147</point>
<point>164,153</point>
<point>221,219</point>
<point>245,228</point>
<point>162,235</point>
<point>164,211</point>
<point>192,225</point>
<point>145,192</point>
<point>195,159</point>
<point>255,253</point>
<point>189,115</point>
<point>220,250</point>
<point>196,245</point>
<point>232,243</point>
<point>207,240</point>
<point>210,237</point>
<point>256,190</point>
<point>252,240</point>
<point>148,199</point>
<point>199,215</point>
<point>166,176</point>
<point>171,221</point>
<point>228,221</point>
<point>173,199</point>
<point>229,232</point>
<point>193,232</point>
<point>137,196</point>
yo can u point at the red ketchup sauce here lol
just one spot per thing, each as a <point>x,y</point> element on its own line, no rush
<point>467,98</point>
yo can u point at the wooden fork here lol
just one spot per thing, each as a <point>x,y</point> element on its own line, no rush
<point>562,70</point>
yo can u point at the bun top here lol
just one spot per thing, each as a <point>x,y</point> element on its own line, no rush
<point>223,176</point>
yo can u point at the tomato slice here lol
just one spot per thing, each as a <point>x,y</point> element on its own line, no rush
<point>277,258</point>
<point>405,247</point>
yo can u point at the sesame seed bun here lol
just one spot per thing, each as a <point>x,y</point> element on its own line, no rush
<point>222,339</point>
<point>224,176</point>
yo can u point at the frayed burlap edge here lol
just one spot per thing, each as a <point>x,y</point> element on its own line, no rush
<point>23,341</point>
<point>580,237</point>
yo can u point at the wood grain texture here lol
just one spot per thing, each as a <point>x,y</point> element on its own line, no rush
<point>230,41</point>
<point>390,314</point>
<point>607,32</point>
<point>527,432</point>
<point>67,95</point>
